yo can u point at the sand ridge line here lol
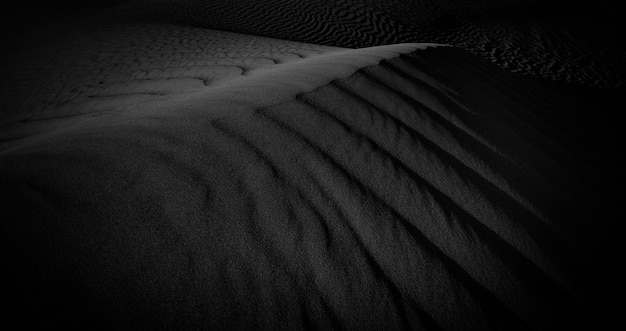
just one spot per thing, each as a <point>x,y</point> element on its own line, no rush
<point>260,87</point>
<point>265,86</point>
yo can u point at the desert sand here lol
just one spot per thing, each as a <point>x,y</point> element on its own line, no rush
<point>310,164</point>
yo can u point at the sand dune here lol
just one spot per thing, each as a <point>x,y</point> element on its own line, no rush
<point>159,175</point>
<point>374,198</point>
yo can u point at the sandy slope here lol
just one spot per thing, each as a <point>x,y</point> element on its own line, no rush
<point>158,175</point>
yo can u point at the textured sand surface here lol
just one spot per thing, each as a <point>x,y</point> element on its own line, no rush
<point>565,41</point>
<point>159,174</point>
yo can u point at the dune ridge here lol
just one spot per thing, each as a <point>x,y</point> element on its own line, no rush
<point>278,80</point>
<point>398,186</point>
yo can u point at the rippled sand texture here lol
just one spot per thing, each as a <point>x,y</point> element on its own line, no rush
<point>554,40</point>
<point>160,175</point>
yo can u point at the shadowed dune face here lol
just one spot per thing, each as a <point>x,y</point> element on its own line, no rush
<point>155,173</point>
<point>553,40</point>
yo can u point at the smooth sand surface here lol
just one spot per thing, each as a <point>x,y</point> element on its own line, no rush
<point>160,175</point>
